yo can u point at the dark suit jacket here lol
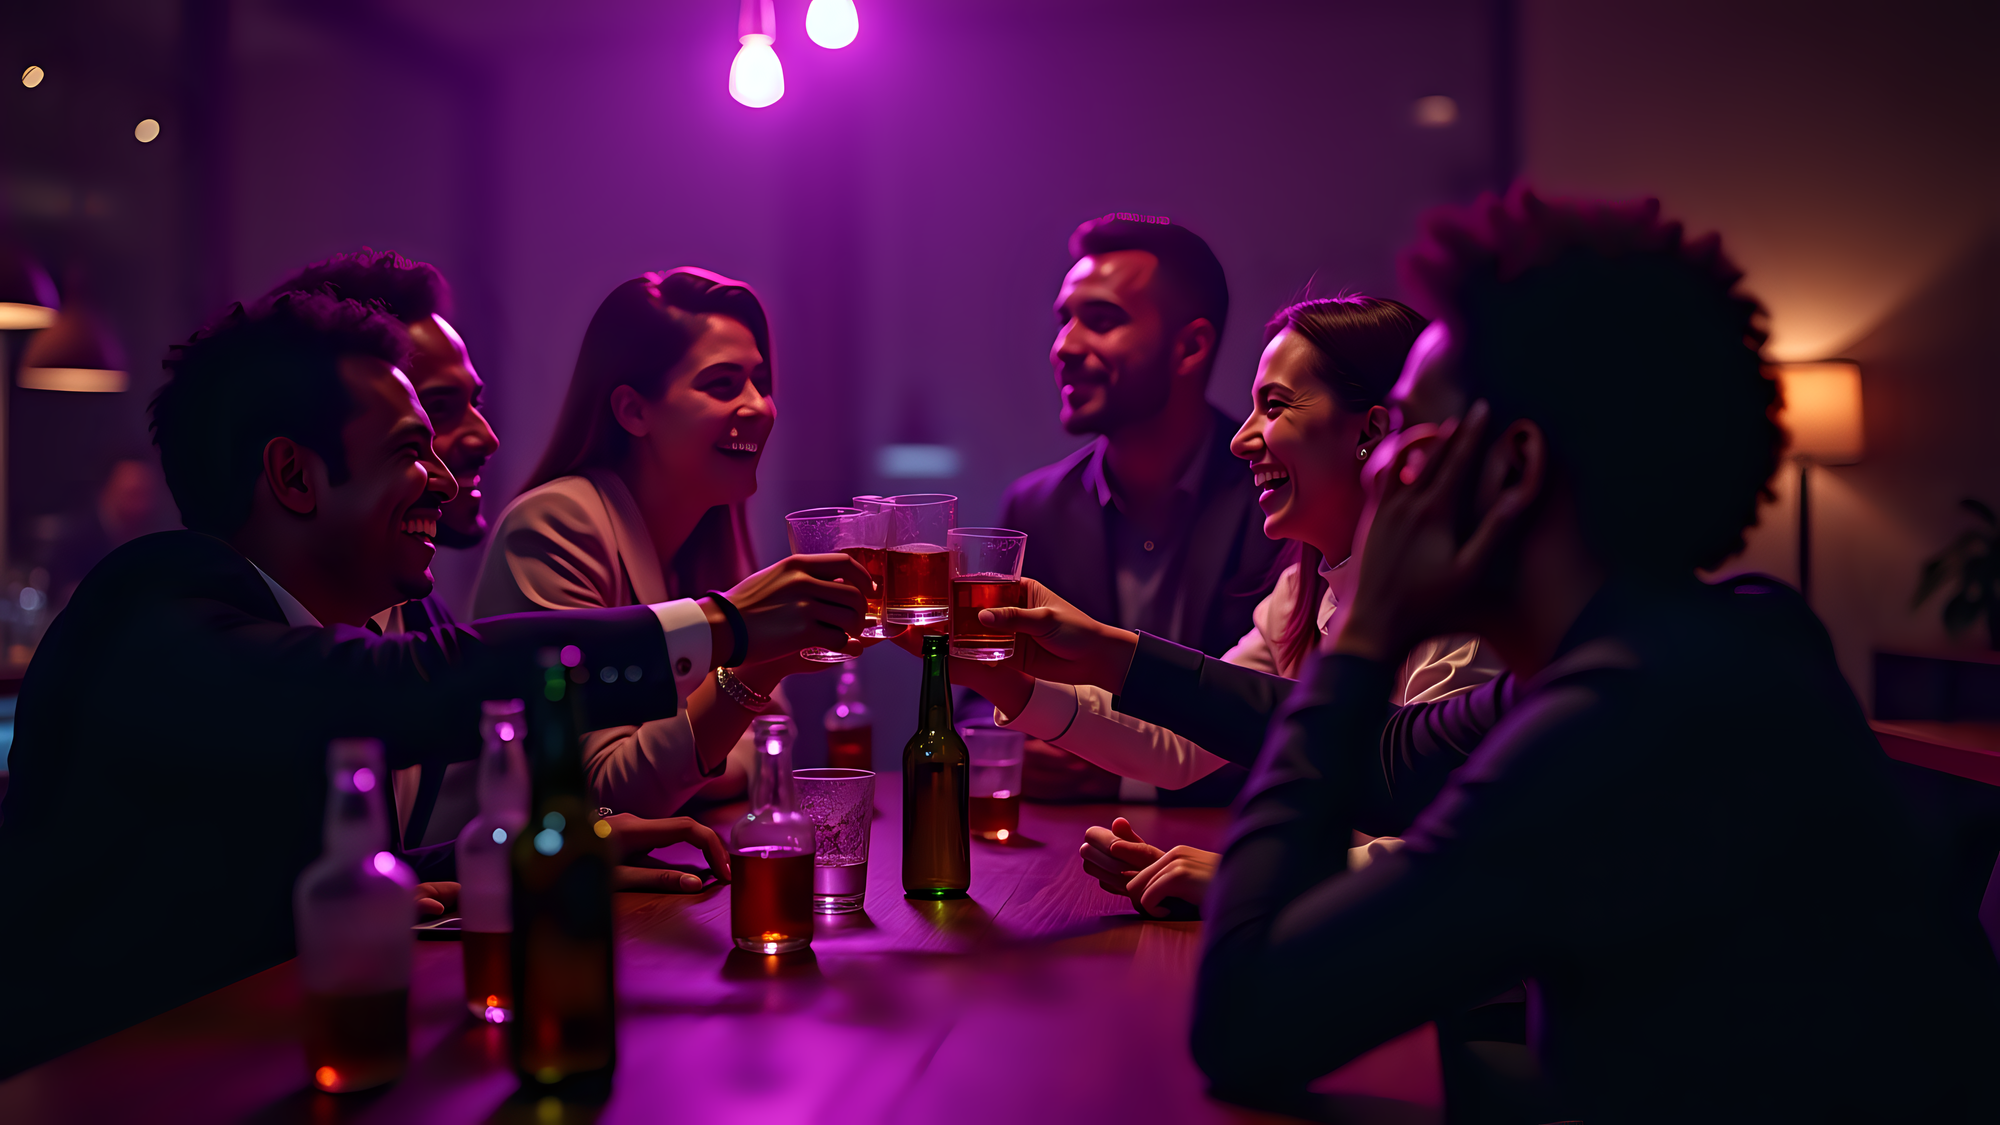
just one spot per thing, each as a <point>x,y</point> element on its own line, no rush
<point>1230,566</point>
<point>1684,836</point>
<point>169,771</point>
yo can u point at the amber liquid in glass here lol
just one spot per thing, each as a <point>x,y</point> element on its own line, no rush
<point>919,582</point>
<point>357,1042</point>
<point>875,560</point>
<point>971,593</point>
<point>996,818</point>
<point>771,898</point>
<point>489,975</point>
<point>851,749</point>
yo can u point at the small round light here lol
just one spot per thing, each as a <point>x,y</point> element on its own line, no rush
<point>147,131</point>
<point>1434,112</point>
<point>554,821</point>
<point>832,23</point>
<point>325,1076</point>
<point>756,77</point>
<point>633,672</point>
<point>364,780</point>
<point>499,835</point>
<point>32,77</point>
<point>608,674</point>
<point>571,656</point>
<point>385,863</point>
<point>504,731</point>
<point>1003,834</point>
<point>603,829</point>
<point>548,842</point>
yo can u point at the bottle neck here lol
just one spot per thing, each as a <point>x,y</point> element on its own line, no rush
<point>934,707</point>
<point>771,787</point>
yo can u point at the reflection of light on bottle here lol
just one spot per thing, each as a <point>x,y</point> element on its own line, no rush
<point>832,23</point>
<point>756,78</point>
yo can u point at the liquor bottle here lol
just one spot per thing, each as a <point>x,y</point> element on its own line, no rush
<point>564,1038</point>
<point>771,851</point>
<point>485,855</point>
<point>353,908</point>
<point>850,732</point>
<point>937,845</point>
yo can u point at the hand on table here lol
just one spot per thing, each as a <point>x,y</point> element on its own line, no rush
<point>1144,873</point>
<point>798,602</point>
<point>633,836</point>
<point>435,900</point>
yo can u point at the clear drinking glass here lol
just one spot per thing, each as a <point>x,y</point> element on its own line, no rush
<point>985,574</point>
<point>919,587</point>
<point>874,557</point>
<point>821,531</point>
<point>841,805</point>
<point>996,780</point>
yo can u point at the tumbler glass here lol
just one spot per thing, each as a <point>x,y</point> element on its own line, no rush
<point>875,559</point>
<point>997,754</point>
<point>841,805</point>
<point>919,567</point>
<point>819,531</point>
<point>985,574</point>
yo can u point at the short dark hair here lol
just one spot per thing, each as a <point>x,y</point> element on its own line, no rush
<point>270,370</point>
<point>409,290</point>
<point>1187,265</point>
<point>1633,350</point>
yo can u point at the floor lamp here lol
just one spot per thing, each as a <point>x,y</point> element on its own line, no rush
<point>1823,416</point>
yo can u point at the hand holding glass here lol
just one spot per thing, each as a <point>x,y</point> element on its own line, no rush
<point>919,586</point>
<point>985,574</point>
<point>819,531</point>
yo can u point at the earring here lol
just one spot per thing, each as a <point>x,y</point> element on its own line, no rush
<point>1361,454</point>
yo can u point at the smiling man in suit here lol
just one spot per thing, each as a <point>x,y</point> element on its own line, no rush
<point>1154,525</point>
<point>171,734</point>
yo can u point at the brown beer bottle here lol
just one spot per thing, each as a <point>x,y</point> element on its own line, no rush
<point>937,843</point>
<point>564,1034</point>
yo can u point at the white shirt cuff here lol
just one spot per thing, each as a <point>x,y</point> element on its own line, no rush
<point>1050,710</point>
<point>690,645</point>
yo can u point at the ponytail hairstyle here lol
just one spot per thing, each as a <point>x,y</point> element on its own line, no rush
<point>1359,345</point>
<point>645,327</point>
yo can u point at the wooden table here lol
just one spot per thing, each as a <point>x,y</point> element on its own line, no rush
<point>1041,999</point>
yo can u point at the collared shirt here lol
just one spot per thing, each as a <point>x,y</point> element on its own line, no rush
<point>1147,561</point>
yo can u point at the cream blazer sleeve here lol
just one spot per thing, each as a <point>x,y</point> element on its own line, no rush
<point>556,547</point>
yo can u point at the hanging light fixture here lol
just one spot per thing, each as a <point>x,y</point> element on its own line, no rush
<point>832,24</point>
<point>76,353</point>
<point>756,78</point>
<point>27,296</point>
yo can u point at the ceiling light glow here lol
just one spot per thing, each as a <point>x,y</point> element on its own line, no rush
<point>832,23</point>
<point>147,131</point>
<point>756,78</point>
<point>32,77</point>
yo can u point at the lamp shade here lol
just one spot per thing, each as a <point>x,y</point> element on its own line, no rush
<point>27,296</point>
<point>76,353</point>
<point>1822,410</point>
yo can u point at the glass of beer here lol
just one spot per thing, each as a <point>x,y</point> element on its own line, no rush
<point>821,531</point>
<point>997,754</point>
<point>841,805</point>
<point>985,574</point>
<point>875,559</point>
<point>919,571</point>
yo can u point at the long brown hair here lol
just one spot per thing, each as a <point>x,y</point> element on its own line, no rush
<point>637,335</point>
<point>1360,344</point>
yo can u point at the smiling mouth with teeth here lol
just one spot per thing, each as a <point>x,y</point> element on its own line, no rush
<point>423,526</point>
<point>1270,479</point>
<point>739,446</point>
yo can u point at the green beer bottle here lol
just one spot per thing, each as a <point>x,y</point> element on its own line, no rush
<point>937,845</point>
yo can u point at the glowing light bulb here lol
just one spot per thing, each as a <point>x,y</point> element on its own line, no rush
<point>756,78</point>
<point>832,23</point>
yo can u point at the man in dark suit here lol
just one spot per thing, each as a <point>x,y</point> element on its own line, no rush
<point>171,734</point>
<point>1154,525</point>
<point>435,803</point>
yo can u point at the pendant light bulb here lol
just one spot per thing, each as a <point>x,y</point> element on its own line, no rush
<point>832,24</point>
<point>756,78</point>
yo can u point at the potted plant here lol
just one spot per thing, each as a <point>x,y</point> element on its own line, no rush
<point>1970,566</point>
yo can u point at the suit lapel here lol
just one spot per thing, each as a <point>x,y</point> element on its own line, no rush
<point>1217,531</point>
<point>1088,580</point>
<point>635,543</point>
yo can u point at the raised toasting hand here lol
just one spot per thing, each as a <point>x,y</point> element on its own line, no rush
<point>1162,884</point>
<point>1070,646</point>
<point>795,603</point>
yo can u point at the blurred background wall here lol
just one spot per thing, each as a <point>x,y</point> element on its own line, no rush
<point>904,208</point>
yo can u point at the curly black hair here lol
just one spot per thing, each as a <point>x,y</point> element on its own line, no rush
<point>269,370</point>
<point>1633,350</point>
<point>409,290</point>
